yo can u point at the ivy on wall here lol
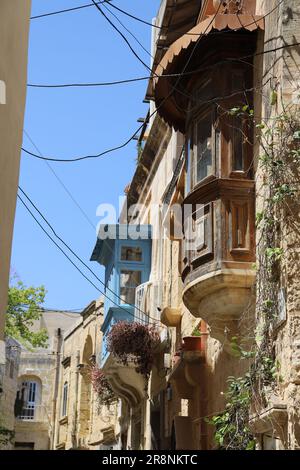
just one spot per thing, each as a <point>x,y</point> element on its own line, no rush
<point>280,142</point>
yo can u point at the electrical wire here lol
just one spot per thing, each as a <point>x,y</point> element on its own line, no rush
<point>128,31</point>
<point>71,261</point>
<point>172,75</point>
<point>172,29</point>
<point>67,246</point>
<point>66,10</point>
<point>130,15</point>
<point>119,147</point>
<point>71,196</point>
<point>140,127</point>
<point>80,259</point>
<point>122,35</point>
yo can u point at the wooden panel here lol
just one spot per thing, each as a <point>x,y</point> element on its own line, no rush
<point>198,242</point>
<point>239,226</point>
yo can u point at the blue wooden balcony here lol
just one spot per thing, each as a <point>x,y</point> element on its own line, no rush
<point>125,252</point>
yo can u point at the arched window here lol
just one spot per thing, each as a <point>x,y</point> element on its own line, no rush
<point>29,395</point>
<point>65,400</point>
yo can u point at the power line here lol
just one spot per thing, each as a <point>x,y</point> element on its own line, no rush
<point>67,10</point>
<point>69,259</point>
<point>140,127</point>
<point>67,246</point>
<point>128,31</point>
<point>121,34</point>
<point>61,182</point>
<point>128,43</point>
<point>56,244</point>
<point>76,256</point>
<point>130,15</point>
<point>173,29</point>
<point>171,75</point>
<point>99,84</point>
<point>119,147</point>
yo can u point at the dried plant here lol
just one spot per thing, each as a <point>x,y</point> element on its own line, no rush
<point>101,386</point>
<point>132,341</point>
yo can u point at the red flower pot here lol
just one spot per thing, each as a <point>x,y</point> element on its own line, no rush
<point>193,343</point>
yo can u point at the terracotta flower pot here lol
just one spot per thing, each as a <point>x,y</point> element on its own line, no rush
<point>193,343</point>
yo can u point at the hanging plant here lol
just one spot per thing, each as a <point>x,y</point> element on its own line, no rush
<point>134,342</point>
<point>101,386</point>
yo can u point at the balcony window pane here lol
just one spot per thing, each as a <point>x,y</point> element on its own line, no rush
<point>237,145</point>
<point>203,153</point>
<point>131,253</point>
<point>188,152</point>
<point>129,280</point>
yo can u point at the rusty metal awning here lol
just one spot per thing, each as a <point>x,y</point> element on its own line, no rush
<point>210,26</point>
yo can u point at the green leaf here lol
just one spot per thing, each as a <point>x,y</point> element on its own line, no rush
<point>273,98</point>
<point>23,310</point>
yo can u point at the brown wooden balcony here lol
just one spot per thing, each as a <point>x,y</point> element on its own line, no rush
<point>218,254</point>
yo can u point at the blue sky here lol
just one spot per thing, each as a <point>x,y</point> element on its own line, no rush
<point>77,46</point>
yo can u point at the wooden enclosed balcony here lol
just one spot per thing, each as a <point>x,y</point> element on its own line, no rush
<point>211,103</point>
<point>218,253</point>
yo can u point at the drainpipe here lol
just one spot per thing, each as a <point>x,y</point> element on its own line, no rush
<point>147,419</point>
<point>75,409</point>
<point>56,386</point>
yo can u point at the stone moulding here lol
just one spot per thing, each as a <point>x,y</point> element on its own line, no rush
<point>187,373</point>
<point>125,381</point>
<point>219,298</point>
<point>275,417</point>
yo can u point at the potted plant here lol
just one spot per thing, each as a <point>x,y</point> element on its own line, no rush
<point>134,342</point>
<point>194,342</point>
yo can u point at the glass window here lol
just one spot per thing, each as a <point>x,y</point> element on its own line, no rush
<point>129,280</point>
<point>131,253</point>
<point>65,399</point>
<point>237,145</point>
<point>28,399</point>
<point>188,166</point>
<point>203,152</point>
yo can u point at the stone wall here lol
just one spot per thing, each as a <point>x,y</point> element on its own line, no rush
<point>9,388</point>
<point>281,72</point>
<point>14,28</point>
<point>86,424</point>
<point>41,366</point>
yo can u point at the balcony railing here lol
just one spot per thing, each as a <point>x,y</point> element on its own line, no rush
<point>33,413</point>
<point>147,297</point>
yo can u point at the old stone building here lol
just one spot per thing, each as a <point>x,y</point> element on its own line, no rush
<point>81,421</point>
<point>8,392</point>
<point>14,27</point>
<point>208,237</point>
<point>36,385</point>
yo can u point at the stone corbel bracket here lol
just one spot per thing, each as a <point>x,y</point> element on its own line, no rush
<point>272,419</point>
<point>187,374</point>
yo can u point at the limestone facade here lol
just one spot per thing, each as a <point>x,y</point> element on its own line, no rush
<point>82,422</point>
<point>36,387</point>
<point>186,388</point>
<point>14,27</point>
<point>9,381</point>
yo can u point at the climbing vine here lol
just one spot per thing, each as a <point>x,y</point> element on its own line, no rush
<point>101,387</point>
<point>279,161</point>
